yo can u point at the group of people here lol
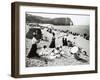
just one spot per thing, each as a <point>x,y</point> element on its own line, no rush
<point>33,50</point>
<point>55,52</point>
<point>51,53</point>
<point>84,35</point>
<point>65,41</point>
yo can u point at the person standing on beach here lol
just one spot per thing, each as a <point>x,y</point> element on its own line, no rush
<point>66,42</point>
<point>52,44</point>
<point>63,41</point>
<point>33,50</point>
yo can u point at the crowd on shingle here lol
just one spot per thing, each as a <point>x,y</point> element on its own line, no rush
<point>58,41</point>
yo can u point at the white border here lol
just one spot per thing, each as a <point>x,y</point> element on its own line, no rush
<point>38,70</point>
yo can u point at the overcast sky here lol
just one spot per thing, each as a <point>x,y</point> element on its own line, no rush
<point>77,19</point>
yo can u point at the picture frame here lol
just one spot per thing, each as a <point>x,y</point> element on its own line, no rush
<point>28,19</point>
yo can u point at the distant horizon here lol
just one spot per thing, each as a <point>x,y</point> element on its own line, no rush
<point>60,25</point>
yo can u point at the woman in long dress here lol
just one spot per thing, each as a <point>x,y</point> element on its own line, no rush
<point>52,45</point>
<point>33,50</point>
<point>63,41</point>
<point>66,42</point>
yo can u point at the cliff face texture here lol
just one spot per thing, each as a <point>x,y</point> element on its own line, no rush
<point>54,21</point>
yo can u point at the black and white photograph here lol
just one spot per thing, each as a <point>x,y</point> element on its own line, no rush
<point>52,39</point>
<point>56,39</point>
